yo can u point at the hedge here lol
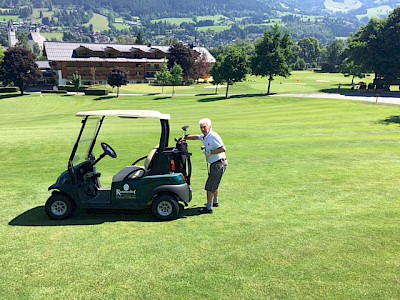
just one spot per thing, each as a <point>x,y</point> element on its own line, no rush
<point>71,88</point>
<point>11,89</point>
<point>96,92</point>
<point>53,91</point>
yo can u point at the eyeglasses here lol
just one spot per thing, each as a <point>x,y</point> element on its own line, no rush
<point>203,127</point>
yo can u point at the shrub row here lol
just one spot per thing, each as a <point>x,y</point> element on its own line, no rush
<point>71,88</point>
<point>96,92</point>
<point>53,91</point>
<point>12,89</point>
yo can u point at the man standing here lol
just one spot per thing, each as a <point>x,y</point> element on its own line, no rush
<point>214,149</point>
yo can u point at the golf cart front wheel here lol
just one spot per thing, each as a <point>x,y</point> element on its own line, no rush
<point>59,207</point>
<point>165,207</point>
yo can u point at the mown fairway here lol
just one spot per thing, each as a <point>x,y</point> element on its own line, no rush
<point>309,205</point>
<point>298,82</point>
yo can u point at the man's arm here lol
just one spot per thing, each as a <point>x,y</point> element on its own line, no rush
<point>218,150</point>
<point>192,137</point>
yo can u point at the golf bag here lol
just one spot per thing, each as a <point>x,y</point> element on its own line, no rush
<point>180,161</point>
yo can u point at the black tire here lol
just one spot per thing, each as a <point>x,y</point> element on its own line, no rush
<point>59,207</point>
<point>165,207</point>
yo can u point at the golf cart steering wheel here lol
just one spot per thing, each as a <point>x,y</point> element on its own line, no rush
<point>108,150</point>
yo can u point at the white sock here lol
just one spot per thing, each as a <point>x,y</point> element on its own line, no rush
<point>215,201</point>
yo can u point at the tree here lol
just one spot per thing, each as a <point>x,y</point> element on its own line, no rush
<point>185,57</point>
<point>176,76</point>
<point>1,53</point>
<point>36,49</point>
<point>19,68</point>
<point>117,78</point>
<point>375,47</point>
<point>299,64</point>
<point>364,46</point>
<point>76,81</point>
<point>273,55</point>
<point>310,50</point>
<point>164,76</point>
<point>247,47</point>
<point>230,68</point>
<point>23,40</point>
<point>216,74</point>
<point>201,67</point>
<point>349,68</point>
<point>389,47</point>
<point>140,38</point>
<point>333,56</point>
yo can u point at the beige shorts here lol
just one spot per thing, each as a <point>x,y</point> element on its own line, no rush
<point>217,169</point>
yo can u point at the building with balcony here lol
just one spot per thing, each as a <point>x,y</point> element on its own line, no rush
<point>95,61</point>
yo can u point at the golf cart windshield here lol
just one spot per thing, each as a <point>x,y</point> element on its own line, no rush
<point>85,142</point>
<point>92,122</point>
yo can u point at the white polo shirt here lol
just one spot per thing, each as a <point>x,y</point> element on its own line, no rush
<point>211,142</point>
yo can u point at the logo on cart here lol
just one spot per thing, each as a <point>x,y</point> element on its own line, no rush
<point>126,193</point>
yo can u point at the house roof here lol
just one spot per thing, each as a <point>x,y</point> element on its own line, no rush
<point>43,64</point>
<point>61,51</point>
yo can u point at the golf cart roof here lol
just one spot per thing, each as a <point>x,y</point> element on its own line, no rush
<point>126,114</point>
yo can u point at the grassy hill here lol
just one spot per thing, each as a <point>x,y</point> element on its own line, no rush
<point>99,23</point>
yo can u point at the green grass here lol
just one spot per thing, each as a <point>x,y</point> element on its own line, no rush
<point>215,18</point>
<point>309,203</point>
<point>7,18</point>
<point>173,21</point>
<point>216,28</point>
<point>298,82</point>
<point>53,35</point>
<point>99,22</point>
<point>120,26</point>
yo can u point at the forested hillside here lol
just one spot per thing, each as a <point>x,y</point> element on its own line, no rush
<point>210,23</point>
<point>162,8</point>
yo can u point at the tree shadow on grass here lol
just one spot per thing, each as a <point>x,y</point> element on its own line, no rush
<point>163,98</point>
<point>336,91</point>
<point>105,98</point>
<point>390,120</point>
<point>205,94</point>
<point>356,92</point>
<point>237,96</point>
<point>38,217</point>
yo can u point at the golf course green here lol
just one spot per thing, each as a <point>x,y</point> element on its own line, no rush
<point>309,205</point>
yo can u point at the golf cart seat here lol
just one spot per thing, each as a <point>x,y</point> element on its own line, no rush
<point>133,172</point>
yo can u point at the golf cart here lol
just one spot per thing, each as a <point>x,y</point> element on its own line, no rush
<point>162,183</point>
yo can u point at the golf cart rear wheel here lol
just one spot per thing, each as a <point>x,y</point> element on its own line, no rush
<point>165,207</point>
<point>59,207</point>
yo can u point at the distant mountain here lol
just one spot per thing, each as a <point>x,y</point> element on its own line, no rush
<point>239,19</point>
<point>162,8</point>
<point>350,7</point>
